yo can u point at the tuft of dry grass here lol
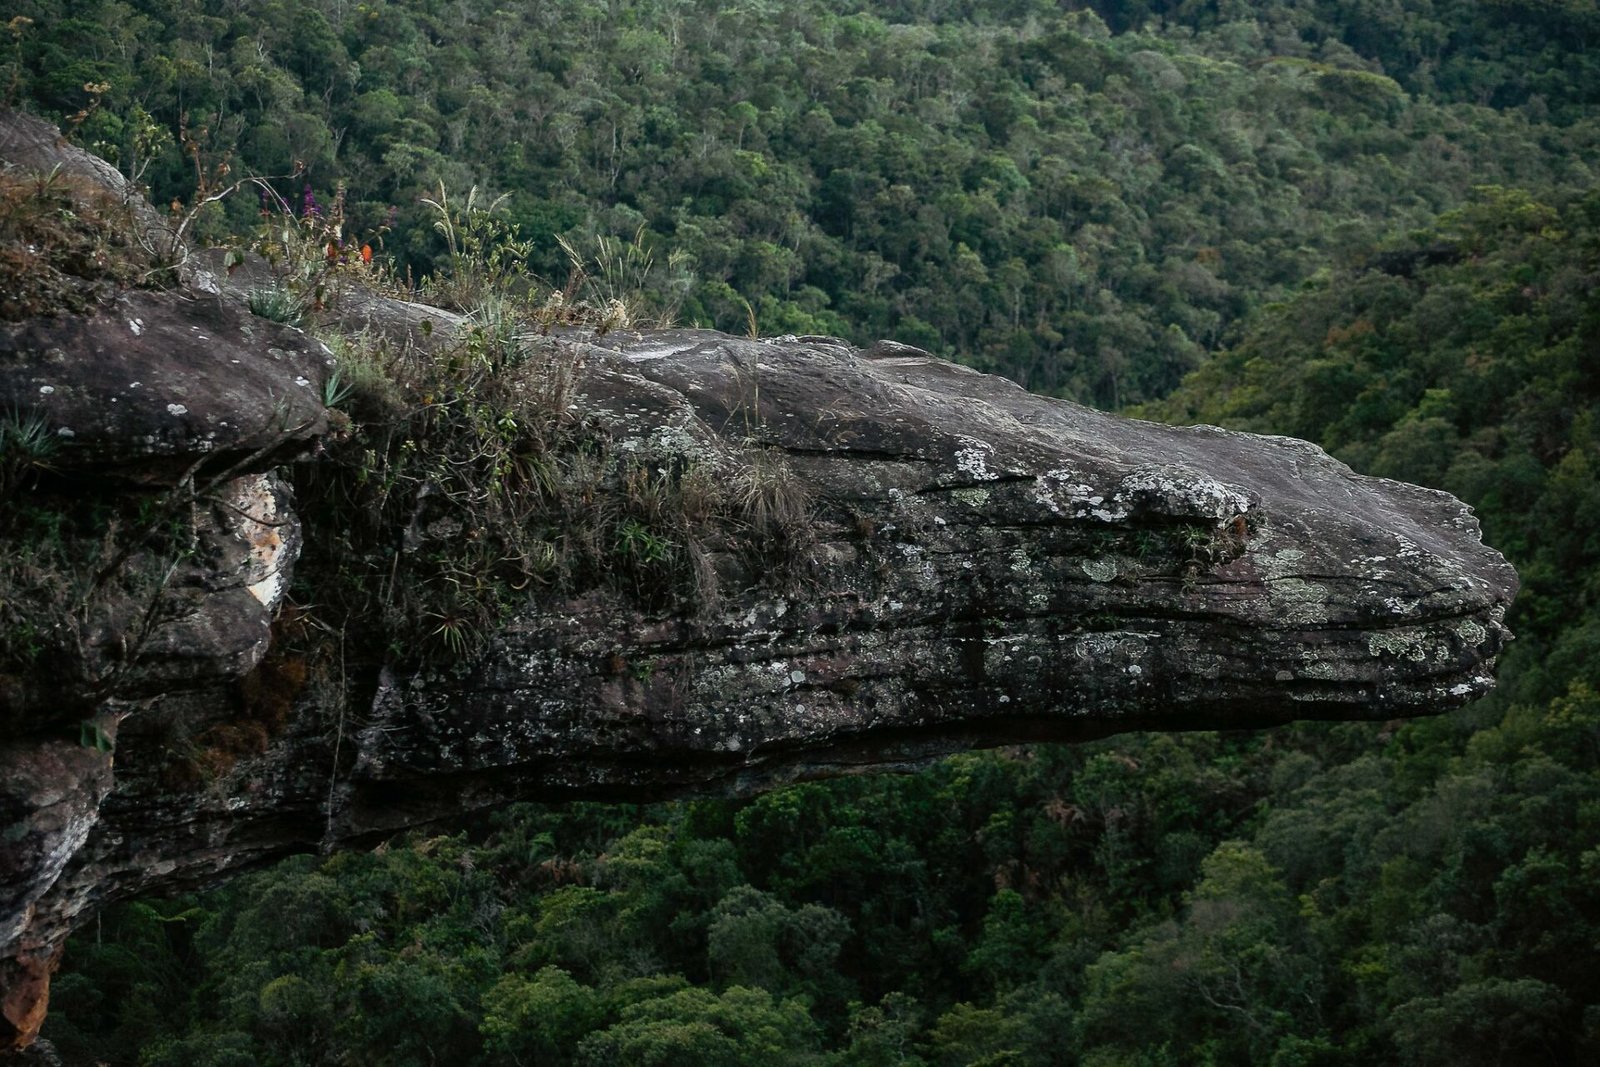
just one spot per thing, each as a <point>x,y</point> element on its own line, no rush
<point>775,502</point>
<point>66,245</point>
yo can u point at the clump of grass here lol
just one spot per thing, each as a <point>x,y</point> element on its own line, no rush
<point>487,256</point>
<point>466,484</point>
<point>66,245</point>
<point>429,509</point>
<point>772,499</point>
<point>776,508</point>
<point>367,380</point>
<point>313,255</point>
<point>622,283</point>
<point>612,284</point>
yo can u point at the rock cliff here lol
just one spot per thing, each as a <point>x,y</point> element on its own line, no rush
<point>873,558</point>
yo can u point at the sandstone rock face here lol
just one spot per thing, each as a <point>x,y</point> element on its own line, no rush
<point>984,567</point>
<point>977,566</point>
<point>161,381</point>
<point>988,566</point>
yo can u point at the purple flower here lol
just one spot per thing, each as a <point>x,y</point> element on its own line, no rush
<point>308,204</point>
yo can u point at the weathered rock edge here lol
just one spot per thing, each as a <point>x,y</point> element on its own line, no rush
<point>989,566</point>
<point>985,566</point>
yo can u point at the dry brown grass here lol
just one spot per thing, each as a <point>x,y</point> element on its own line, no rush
<point>66,244</point>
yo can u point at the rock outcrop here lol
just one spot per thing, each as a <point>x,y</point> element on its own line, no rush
<point>988,566</point>
<point>977,566</point>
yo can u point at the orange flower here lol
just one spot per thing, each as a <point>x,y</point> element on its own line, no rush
<point>366,253</point>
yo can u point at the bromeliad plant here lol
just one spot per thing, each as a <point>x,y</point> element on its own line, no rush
<point>26,447</point>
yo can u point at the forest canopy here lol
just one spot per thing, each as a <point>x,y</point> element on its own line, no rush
<point>1087,212</point>
<point>1373,225</point>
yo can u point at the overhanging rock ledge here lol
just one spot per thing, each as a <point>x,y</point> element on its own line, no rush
<point>975,566</point>
<point>982,566</point>
<point>988,566</point>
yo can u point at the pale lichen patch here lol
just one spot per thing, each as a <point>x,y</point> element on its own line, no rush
<point>1402,605</point>
<point>1404,646</point>
<point>973,459</point>
<point>1283,564</point>
<point>973,498</point>
<point>1100,570</point>
<point>1298,601</point>
<point>1182,492</point>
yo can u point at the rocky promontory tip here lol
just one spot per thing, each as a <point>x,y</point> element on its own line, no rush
<point>986,566</point>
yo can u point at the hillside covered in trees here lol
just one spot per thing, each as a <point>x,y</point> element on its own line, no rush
<point>1086,212</point>
<point>1371,225</point>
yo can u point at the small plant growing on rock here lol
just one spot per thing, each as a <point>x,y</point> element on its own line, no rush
<point>26,446</point>
<point>488,256</point>
<point>275,303</point>
<point>775,507</point>
<point>368,377</point>
<point>773,501</point>
<point>637,544</point>
<point>311,252</point>
<point>623,282</point>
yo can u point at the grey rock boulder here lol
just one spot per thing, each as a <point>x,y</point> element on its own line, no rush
<point>985,566</point>
<point>978,566</point>
<point>162,382</point>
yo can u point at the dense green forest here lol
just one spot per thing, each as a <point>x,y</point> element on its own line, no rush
<point>1375,225</point>
<point>1086,212</point>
